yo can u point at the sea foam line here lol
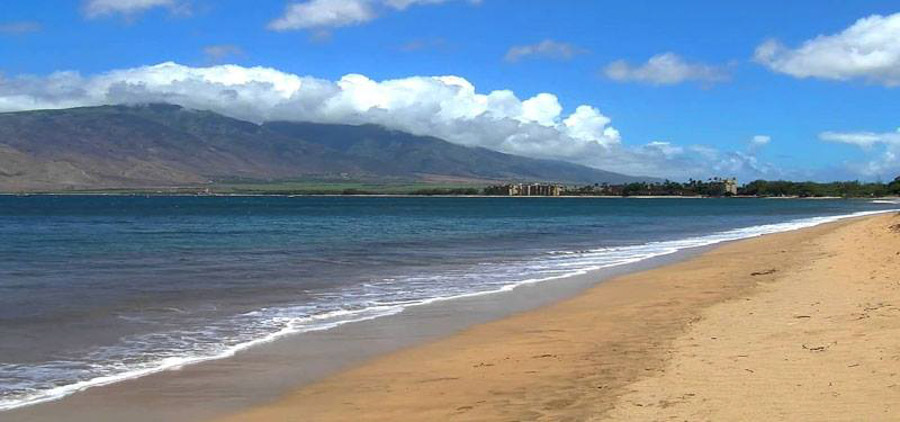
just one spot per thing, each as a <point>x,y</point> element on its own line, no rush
<point>300,325</point>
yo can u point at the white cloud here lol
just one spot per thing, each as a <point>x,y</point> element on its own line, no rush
<point>666,69</point>
<point>586,122</point>
<point>548,49</point>
<point>760,140</point>
<point>448,107</point>
<point>883,150</point>
<point>403,4</point>
<point>17,28</point>
<point>318,14</point>
<point>869,50</point>
<point>323,15</point>
<point>543,109</point>
<point>746,163</point>
<point>757,143</point>
<point>664,148</point>
<point>862,139</point>
<point>130,8</point>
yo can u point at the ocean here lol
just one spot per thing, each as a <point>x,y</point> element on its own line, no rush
<point>97,289</point>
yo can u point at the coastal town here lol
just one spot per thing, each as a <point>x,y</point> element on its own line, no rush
<point>714,187</point>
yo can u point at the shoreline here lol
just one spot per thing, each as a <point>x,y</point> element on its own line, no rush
<point>261,374</point>
<point>614,351</point>
<point>392,195</point>
<point>95,395</point>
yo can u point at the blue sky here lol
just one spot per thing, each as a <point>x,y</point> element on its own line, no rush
<point>815,110</point>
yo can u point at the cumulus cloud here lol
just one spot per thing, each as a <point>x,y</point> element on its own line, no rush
<point>324,15</point>
<point>17,28</point>
<point>317,14</point>
<point>883,150</point>
<point>547,49</point>
<point>220,52</point>
<point>449,107</point>
<point>760,140</point>
<point>757,142</point>
<point>666,69</point>
<point>868,50</point>
<point>130,8</point>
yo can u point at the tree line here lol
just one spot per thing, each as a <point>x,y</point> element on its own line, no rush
<point>718,188</point>
<point>854,189</point>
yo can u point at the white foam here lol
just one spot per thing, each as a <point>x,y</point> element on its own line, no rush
<point>565,263</point>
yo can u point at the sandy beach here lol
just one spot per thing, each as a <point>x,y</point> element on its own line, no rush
<point>803,325</point>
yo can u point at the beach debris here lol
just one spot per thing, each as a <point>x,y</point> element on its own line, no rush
<point>764,272</point>
<point>861,316</point>
<point>895,228</point>
<point>818,348</point>
<point>802,316</point>
<point>877,306</point>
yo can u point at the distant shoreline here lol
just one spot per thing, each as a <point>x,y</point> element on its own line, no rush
<point>390,195</point>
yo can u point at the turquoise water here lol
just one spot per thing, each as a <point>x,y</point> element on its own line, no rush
<point>99,289</point>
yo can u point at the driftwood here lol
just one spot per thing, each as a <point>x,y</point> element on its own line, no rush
<point>764,272</point>
<point>815,348</point>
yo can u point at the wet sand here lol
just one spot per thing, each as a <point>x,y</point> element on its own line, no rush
<point>802,325</point>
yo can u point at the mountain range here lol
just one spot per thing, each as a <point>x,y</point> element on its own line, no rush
<point>162,145</point>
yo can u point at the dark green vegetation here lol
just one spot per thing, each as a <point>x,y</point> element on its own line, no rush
<point>853,189</point>
<point>760,188</point>
<point>712,187</point>
<point>167,148</point>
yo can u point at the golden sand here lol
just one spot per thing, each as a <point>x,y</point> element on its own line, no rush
<point>802,325</point>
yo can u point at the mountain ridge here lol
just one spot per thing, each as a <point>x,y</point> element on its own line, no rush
<point>163,145</point>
